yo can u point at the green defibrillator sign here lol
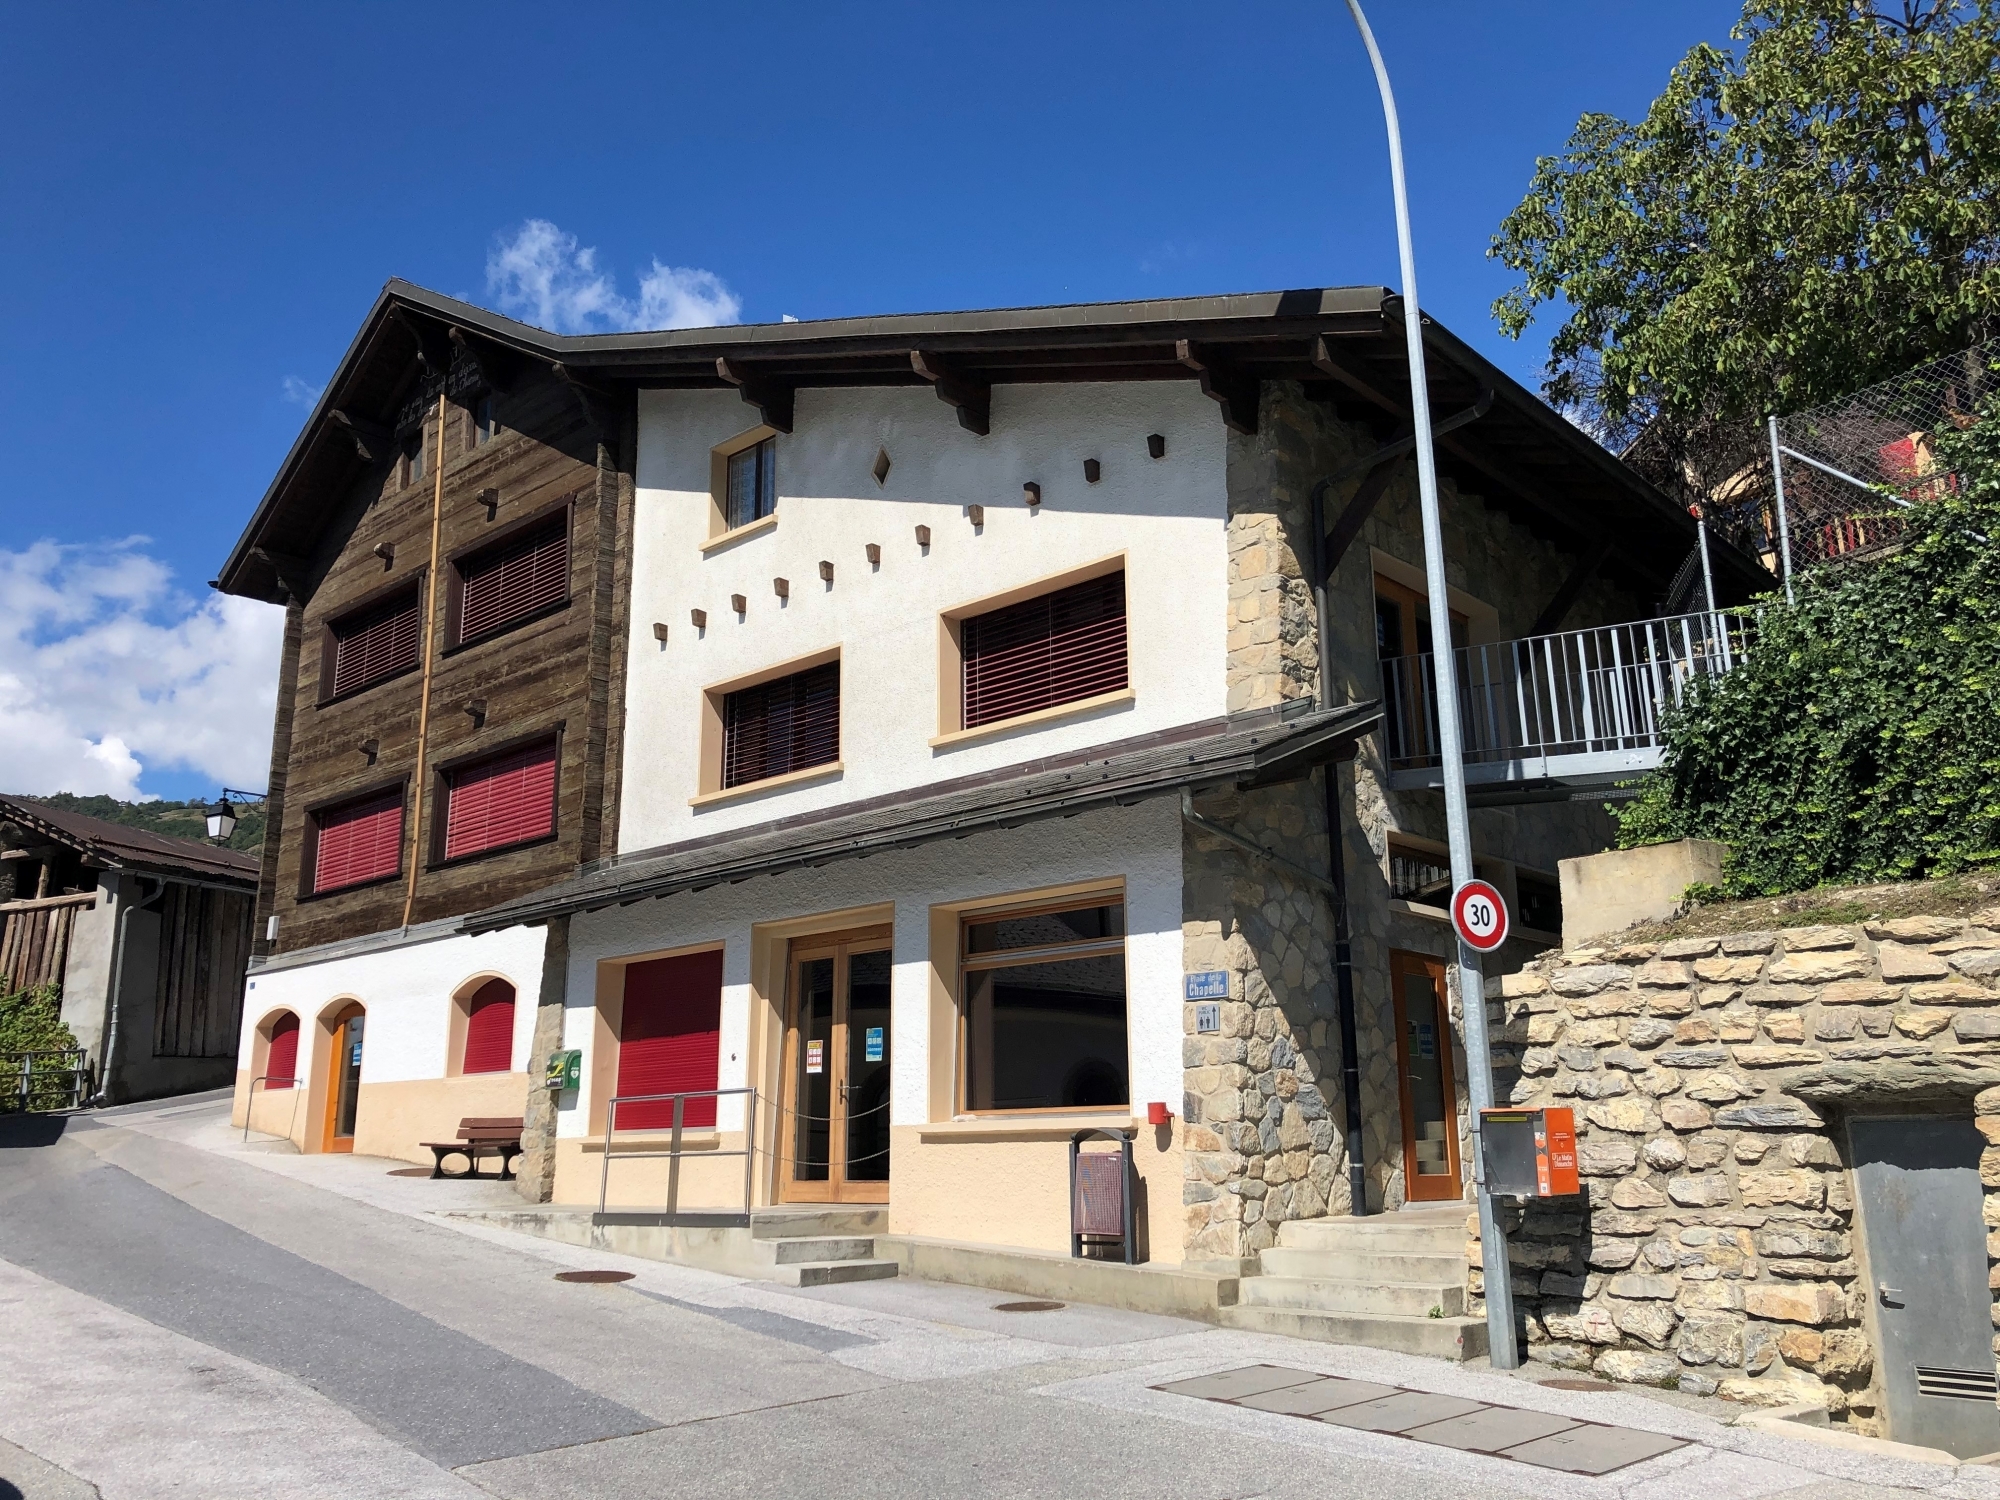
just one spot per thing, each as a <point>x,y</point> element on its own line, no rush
<point>565,1070</point>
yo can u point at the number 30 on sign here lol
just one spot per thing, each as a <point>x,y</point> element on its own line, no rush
<point>1479,915</point>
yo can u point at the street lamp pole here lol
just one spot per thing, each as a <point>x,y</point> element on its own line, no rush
<point>1504,1351</point>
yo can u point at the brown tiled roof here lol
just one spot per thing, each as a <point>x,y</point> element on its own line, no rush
<point>116,844</point>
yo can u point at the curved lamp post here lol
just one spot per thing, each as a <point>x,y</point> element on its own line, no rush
<point>1471,982</point>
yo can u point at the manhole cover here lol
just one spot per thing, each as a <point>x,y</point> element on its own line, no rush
<point>593,1277</point>
<point>1574,1385</point>
<point>411,1172</point>
<point>1029,1306</point>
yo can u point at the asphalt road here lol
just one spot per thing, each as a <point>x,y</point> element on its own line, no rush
<point>185,1316</point>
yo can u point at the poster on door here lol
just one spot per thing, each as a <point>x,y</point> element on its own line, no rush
<point>815,1057</point>
<point>871,1044</point>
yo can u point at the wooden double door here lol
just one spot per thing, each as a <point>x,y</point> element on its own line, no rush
<point>1428,1091</point>
<point>834,1128</point>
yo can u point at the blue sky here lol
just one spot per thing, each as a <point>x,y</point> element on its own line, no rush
<point>202,202</point>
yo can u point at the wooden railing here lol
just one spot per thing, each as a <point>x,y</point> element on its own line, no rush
<point>34,939</point>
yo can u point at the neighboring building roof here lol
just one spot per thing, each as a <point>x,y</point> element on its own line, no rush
<point>119,847</point>
<point>1345,343</point>
<point>1251,749</point>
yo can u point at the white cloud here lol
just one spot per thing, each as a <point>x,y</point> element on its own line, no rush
<point>108,671</point>
<point>299,393</point>
<point>542,276</point>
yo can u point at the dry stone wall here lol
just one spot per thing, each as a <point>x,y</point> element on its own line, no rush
<point>1715,1247</point>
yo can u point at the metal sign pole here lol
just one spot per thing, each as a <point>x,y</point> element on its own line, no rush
<point>1471,983</point>
<point>1784,525</point>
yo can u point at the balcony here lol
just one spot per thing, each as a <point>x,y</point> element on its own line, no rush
<point>1551,716</point>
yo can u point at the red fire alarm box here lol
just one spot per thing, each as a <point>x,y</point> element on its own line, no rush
<point>1529,1153</point>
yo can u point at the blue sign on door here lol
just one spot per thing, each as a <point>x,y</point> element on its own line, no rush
<point>1213,984</point>
<point>871,1044</point>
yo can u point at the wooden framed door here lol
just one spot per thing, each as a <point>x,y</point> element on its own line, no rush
<point>343,1079</point>
<point>1426,1088</point>
<point>834,1131</point>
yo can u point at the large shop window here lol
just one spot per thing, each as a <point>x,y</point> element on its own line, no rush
<point>504,800</point>
<point>1044,1009</point>
<point>489,1029</point>
<point>358,841</point>
<point>516,580</point>
<point>776,728</point>
<point>669,1039</point>
<point>281,1058</point>
<point>373,644</point>
<point>1041,653</point>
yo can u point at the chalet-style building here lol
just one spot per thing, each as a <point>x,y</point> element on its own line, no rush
<point>947,707</point>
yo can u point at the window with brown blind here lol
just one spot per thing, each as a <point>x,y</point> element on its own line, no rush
<point>1056,649</point>
<point>373,644</point>
<point>778,727</point>
<point>518,579</point>
<point>357,842</point>
<point>500,801</point>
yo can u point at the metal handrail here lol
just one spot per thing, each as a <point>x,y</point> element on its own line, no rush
<point>674,1150</point>
<point>77,1070</point>
<point>250,1097</point>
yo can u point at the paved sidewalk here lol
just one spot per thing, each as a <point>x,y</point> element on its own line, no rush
<point>190,1316</point>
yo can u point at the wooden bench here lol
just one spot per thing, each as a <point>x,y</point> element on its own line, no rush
<point>479,1136</point>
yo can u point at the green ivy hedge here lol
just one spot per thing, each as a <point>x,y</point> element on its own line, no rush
<point>31,1021</point>
<point>1860,739</point>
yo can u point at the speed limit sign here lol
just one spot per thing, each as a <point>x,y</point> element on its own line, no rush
<point>1479,915</point>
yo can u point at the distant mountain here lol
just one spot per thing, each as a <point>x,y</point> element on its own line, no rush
<point>180,820</point>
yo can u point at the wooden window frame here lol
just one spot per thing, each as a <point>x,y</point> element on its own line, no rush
<point>490,399</point>
<point>720,533</point>
<point>951,655</point>
<point>709,788</point>
<point>310,843</point>
<point>454,575</point>
<point>440,817</point>
<point>329,644</point>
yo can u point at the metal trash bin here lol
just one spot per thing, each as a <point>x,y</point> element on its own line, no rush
<point>1101,1193</point>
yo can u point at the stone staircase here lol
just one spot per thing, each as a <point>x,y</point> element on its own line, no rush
<point>818,1245</point>
<point>1387,1281</point>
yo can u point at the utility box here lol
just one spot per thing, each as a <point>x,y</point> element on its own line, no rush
<point>565,1070</point>
<point>1530,1153</point>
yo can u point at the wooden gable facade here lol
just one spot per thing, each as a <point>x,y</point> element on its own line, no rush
<point>448,540</point>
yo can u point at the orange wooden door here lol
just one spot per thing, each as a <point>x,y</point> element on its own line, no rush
<point>1424,1075</point>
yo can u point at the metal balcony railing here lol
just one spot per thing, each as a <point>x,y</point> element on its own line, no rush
<point>1582,708</point>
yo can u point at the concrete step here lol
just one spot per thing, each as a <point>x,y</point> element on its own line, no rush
<point>1379,1234</point>
<point>828,1273</point>
<point>1423,1269</point>
<point>1439,1338</point>
<point>1332,1294</point>
<point>812,1220</point>
<point>798,1252</point>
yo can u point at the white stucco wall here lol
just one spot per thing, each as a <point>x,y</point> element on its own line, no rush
<point>1167,515</point>
<point>407,993</point>
<point>1142,844</point>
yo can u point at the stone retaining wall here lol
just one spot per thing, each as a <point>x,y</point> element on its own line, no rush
<point>1714,1248</point>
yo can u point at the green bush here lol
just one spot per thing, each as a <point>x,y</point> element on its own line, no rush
<point>1860,738</point>
<point>31,1021</point>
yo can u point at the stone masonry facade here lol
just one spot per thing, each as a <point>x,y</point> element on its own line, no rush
<point>1714,1247</point>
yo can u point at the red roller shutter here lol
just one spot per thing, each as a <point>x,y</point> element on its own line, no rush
<point>359,842</point>
<point>670,1038</point>
<point>779,727</point>
<point>514,580</point>
<point>509,799</point>
<point>376,643</point>
<point>489,1029</point>
<point>281,1058</point>
<point>1043,652</point>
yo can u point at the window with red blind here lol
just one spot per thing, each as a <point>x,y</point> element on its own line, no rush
<point>514,581</point>
<point>669,1039</point>
<point>489,1029</point>
<point>776,728</point>
<point>503,800</point>
<point>374,643</point>
<point>358,841</point>
<point>1042,652</point>
<point>281,1058</point>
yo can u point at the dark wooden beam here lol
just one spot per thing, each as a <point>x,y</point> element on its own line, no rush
<point>373,442</point>
<point>1347,525</point>
<point>599,407</point>
<point>497,366</point>
<point>971,397</point>
<point>1571,589</point>
<point>291,571</point>
<point>1228,387</point>
<point>433,347</point>
<point>1338,370</point>
<point>774,398</point>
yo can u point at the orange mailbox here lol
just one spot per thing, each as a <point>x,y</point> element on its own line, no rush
<point>1530,1153</point>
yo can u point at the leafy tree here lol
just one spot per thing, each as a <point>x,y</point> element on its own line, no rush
<point>1807,212</point>
<point>1859,739</point>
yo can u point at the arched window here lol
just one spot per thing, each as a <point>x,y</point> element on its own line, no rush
<point>281,1058</point>
<point>489,1028</point>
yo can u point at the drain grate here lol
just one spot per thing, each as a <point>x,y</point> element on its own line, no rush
<point>593,1278</point>
<point>1956,1385</point>
<point>1029,1306</point>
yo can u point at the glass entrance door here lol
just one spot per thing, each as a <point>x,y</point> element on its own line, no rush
<point>343,1085</point>
<point>836,1125</point>
<point>1423,1057</point>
